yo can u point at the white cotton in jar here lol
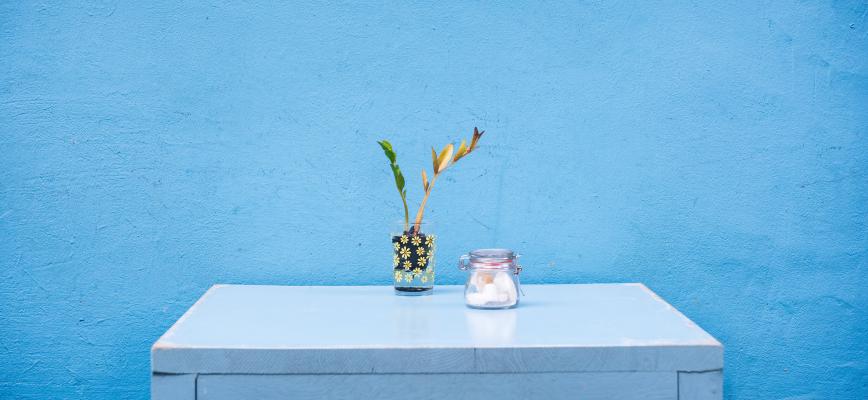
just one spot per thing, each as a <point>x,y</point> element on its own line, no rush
<point>504,281</point>
<point>491,289</point>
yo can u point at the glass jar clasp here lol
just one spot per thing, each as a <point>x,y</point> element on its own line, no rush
<point>464,262</point>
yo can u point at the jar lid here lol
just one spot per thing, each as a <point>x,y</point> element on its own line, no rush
<point>486,255</point>
<point>497,259</point>
<point>492,259</point>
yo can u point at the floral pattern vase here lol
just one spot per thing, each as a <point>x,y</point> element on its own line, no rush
<point>413,262</point>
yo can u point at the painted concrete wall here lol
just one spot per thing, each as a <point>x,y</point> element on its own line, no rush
<point>150,149</point>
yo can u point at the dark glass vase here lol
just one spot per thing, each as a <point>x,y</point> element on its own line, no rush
<point>413,260</point>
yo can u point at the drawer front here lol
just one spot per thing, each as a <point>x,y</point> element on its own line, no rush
<point>550,386</point>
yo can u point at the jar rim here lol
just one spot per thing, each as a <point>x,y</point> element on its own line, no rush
<point>492,255</point>
<point>411,223</point>
<point>425,227</point>
<point>492,259</point>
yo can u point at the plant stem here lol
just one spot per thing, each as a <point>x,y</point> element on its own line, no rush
<point>406,212</point>
<point>418,223</point>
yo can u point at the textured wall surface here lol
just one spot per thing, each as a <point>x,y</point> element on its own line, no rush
<point>718,154</point>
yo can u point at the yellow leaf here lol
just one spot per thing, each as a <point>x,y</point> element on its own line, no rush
<point>462,150</point>
<point>434,160</point>
<point>445,156</point>
<point>424,180</point>
<point>476,135</point>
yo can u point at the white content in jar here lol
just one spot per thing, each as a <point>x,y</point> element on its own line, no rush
<point>491,289</point>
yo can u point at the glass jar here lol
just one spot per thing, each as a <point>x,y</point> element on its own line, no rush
<point>413,259</point>
<point>493,281</point>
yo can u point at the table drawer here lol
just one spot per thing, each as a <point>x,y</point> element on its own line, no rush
<point>550,386</point>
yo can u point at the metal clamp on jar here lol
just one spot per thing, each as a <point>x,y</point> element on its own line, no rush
<point>493,281</point>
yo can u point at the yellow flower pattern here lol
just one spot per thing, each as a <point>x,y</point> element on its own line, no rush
<point>413,260</point>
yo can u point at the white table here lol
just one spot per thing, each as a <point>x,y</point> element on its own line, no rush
<point>604,341</point>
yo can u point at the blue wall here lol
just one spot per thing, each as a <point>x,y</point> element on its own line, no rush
<point>151,149</point>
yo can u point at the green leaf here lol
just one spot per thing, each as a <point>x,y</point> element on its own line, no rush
<point>387,148</point>
<point>399,177</point>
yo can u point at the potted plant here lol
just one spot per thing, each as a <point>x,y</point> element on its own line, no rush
<point>413,245</point>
